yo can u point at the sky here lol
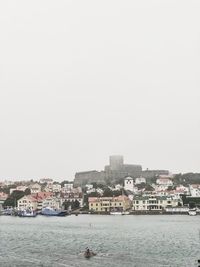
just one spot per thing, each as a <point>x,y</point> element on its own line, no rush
<point>83,80</point>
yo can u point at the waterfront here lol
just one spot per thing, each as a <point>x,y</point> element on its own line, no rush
<point>163,240</point>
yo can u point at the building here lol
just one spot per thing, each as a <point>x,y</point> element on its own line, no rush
<point>129,184</point>
<point>140,180</point>
<point>113,173</point>
<point>153,173</point>
<point>164,182</point>
<point>27,202</point>
<point>116,162</point>
<point>35,188</point>
<point>107,204</point>
<point>3,197</point>
<point>51,202</point>
<point>117,166</point>
<point>40,197</point>
<point>83,178</point>
<point>46,181</point>
<point>194,190</point>
<point>67,188</point>
<point>153,203</point>
<point>18,188</point>
<point>72,197</point>
<point>56,188</point>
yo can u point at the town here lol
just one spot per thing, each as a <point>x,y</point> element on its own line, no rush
<point>119,189</point>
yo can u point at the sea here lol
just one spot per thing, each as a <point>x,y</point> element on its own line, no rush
<point>119,241</point>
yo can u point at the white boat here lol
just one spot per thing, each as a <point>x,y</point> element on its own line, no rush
<point>192,212</point>
<point>119,213</point>
<point>27,213</point>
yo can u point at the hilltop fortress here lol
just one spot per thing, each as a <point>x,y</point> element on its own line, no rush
<point>114,172</point>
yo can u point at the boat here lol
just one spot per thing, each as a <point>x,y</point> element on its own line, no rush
<point>192,212</point>
<point>116,211</point>
<point>8,212</point>
<point>119,213</point>
<point>89,254</point>
<point>27,213</point>
<point>52,212</point>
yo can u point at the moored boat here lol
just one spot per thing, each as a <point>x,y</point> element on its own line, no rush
<point>52,212</point>
<point>192,212</point>
<point>27,213</point>
<point>117,211</point>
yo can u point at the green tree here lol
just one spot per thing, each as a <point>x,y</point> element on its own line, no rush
<point>11,201</point>
<point>27,191</point>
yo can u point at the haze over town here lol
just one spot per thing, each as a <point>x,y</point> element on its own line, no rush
<point>90,83</point>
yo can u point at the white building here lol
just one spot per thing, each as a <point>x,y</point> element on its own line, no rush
<point>46,181</point>
<point>129,184</point>
<point>18,188</point>
<point>118,187</point>
<point>88,186</point>
<point>194,190</point>
<point>164,181</point>
<point>35,188</point>
<point>140,180</point>
<point>51,202</point>
<point>153,203</point>
<point>67,188</point>
<point>27,202</point>
<point>56,188</point>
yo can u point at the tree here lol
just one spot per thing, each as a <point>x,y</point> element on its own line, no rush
<point>148,187</point>
<point>11,201</point>
<point>75,205</point>
<point>66,204</point>
<point>108,192</point>
<point>27,191</point>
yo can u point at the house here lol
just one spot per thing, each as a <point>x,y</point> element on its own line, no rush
<point>164,181</point>
<point>194,190</point>
<point>56,188</point>
<point>67,188</point>
<point>153,203</point>
<point>35,188</point>
<point>3,197</point>
<point>140,180</point>
<point>107,204</point>
<point>18,188</point>
<point>129,184</point>
<point>46,181</point>
<point>51,202</point>
<point>28,201</point>
<point>72,197</point>
<point>40,197</point>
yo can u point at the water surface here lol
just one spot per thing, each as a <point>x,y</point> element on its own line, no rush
<point>162,240</point>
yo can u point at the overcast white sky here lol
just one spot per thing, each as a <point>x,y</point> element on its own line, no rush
<point>82,80</point>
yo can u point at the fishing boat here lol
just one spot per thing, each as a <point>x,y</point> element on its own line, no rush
<point>27,213</point>
<point>52,212</point>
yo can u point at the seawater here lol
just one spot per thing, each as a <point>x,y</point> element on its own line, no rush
<point>119,241</point>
